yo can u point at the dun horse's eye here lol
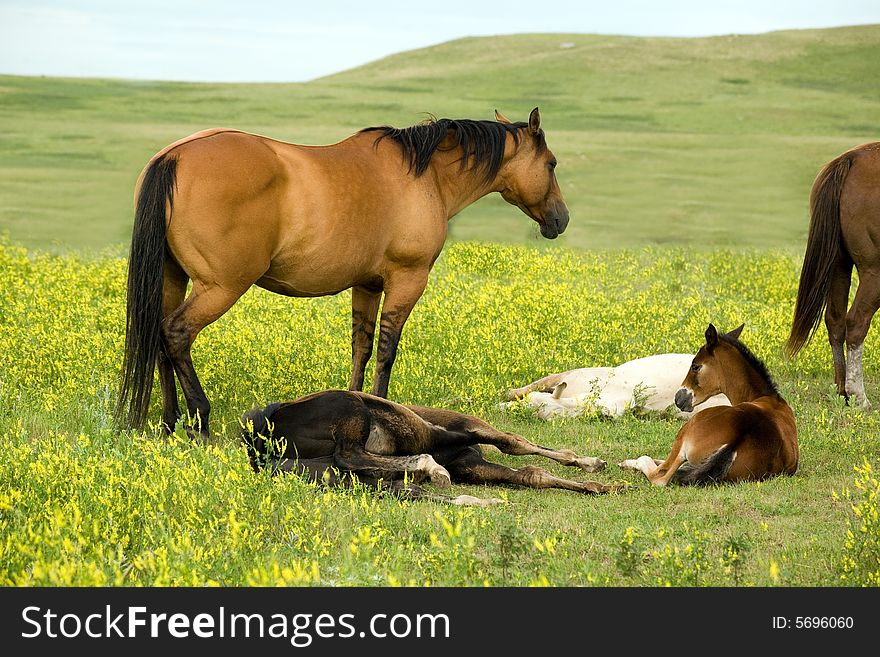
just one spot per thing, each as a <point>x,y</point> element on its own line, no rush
<point>552,164</point>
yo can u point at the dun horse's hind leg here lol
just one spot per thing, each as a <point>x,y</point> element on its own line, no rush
<point>858,319</point>
<point>402,291</point>
<point>173,291</point>
<point>835,317</point>
<point>179,331</point>
<point>364,309</point>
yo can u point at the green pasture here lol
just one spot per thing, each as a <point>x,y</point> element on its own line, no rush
<point>701,142</point>
<point>83,504</point>
<point>686,164</point>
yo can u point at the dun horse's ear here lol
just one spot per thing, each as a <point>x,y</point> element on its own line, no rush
<point>735,333</point>
<point>534,121</point>
<point>711,337</point>
<point>501,118</point>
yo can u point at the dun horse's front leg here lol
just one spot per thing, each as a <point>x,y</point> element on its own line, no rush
<point>364,309</point>
<point>402,292</point>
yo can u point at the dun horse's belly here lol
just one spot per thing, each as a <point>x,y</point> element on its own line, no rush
<point>304,281</point>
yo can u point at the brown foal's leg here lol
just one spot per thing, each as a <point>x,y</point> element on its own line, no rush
<point>659,473</point>
<point>364,309</point>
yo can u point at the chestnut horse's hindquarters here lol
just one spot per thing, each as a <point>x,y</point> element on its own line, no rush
<point>844,219</point>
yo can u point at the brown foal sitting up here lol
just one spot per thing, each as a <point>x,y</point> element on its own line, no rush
<point>329,435</point>
<point>752,439</point>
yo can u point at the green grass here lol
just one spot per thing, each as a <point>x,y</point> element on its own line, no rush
<point>83,504</point>
<point>700,142</point>
<point>686,164</point>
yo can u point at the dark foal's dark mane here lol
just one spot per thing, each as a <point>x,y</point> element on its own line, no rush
<point>756,363</point>
<point>482,142</point>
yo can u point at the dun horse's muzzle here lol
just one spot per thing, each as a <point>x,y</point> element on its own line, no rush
<point>555,222</point>
<point>684,399</point>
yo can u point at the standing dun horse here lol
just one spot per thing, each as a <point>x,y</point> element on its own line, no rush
<point>844,232</point>
<point>227,209</point>
<point>753,438</point>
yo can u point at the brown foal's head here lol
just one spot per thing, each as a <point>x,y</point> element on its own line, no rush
<point>706,375</point>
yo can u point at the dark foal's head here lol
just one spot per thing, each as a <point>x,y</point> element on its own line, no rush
<point>529,179</point>
<point>707,373</point>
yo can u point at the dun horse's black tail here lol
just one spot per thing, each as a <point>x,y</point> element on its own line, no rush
<point>710,471</point>
<point>143,313</point>
<point>823,247</point>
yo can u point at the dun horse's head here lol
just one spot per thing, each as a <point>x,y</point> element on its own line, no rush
<point>529,179</point>
<point>706,375</point>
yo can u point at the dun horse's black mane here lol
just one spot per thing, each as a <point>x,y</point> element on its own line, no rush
<point>752,360</point>
<point>482,142</point>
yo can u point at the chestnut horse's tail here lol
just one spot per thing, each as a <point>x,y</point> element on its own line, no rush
<point>710,471</point>
<point>823,248</point>
<point>143,312</point>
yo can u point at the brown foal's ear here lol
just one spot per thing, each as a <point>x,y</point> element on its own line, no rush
<point>534,121</point>
<point>711,337</point>
<point>501,118</point>
<point>735,333</point>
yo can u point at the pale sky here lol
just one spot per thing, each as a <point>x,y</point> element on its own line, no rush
<point>272,40</point>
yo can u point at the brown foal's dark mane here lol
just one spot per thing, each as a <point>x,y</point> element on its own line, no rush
<point>482,142</point>
<point>756,363</point>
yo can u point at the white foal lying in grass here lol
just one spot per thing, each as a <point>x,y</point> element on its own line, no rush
<point>647,384</point>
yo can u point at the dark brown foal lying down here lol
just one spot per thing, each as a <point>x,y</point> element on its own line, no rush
<point>328,435</point>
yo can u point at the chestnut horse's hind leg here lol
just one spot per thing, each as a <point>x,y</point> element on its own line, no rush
<point>179,331</point>
<point>835,317</point>
<point>864,305</point>
<point>364,309</point>
<point>402,291</point>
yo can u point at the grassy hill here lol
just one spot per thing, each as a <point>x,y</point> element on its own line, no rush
<point>707,142</point>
